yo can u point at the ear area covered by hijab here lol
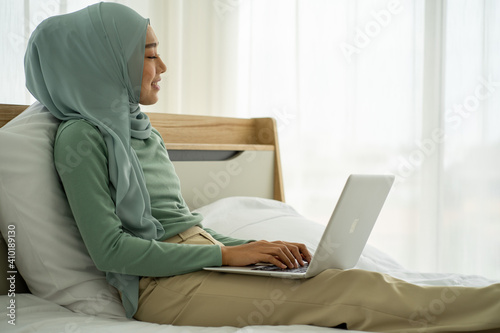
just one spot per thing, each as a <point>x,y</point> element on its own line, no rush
<point>88,65</point>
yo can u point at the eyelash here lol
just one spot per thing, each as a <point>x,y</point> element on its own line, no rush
<point>154,57</point>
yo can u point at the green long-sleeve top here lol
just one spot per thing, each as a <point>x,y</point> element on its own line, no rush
<point>81,159</point>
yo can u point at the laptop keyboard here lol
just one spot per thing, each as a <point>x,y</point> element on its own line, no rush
<point>300,269</point>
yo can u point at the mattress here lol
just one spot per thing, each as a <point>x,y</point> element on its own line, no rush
<point>247,218</point>
<point>34,314</point>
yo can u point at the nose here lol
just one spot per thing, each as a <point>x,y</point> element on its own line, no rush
<point>162,68</point>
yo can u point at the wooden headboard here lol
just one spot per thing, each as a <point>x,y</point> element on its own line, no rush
<point>206,133</point>
<point>250,156</point>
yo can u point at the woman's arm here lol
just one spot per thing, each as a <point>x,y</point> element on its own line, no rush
<point>236,252</point>
<point>226,240</point>
<point>165,191</point>
<point>80,157</point>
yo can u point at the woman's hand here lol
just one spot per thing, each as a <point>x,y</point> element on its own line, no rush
<point>279,253</point>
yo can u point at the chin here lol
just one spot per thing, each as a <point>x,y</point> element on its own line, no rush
<point>150,100</point>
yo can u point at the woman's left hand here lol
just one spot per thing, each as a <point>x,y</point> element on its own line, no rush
<point>280,253</point>
<point>298,250</point>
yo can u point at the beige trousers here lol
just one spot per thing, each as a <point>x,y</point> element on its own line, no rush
<point>361,299</point>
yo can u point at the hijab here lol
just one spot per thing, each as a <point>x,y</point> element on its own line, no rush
<point>88,65</point>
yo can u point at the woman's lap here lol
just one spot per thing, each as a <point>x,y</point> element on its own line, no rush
<point>364,300</point>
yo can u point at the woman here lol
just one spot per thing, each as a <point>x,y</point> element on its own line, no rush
<point>92,69</point>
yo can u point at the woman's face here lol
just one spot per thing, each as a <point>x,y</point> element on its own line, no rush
<point>153,67</point>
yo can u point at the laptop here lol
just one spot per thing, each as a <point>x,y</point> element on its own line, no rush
<point>345,235</point>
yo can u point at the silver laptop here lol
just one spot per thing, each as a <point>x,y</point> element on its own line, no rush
<point>345,235</point>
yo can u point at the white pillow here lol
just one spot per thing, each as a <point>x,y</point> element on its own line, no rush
<point>256,218</point>
<point>50,253</point>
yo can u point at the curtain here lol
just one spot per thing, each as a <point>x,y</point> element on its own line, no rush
<point>373,87</point>
<point>343,80</point>
<point>408,87</point>
<point>469,212</point>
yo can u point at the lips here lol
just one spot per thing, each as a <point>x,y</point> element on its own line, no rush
<point>156,85</point>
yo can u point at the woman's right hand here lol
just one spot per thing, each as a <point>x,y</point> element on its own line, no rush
<point>279,253</point>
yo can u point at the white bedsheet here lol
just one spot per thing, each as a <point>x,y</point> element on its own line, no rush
<point>34,314</point>
<point>247,218</point>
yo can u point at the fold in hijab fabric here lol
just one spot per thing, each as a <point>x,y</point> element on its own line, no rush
<point>88,65</point>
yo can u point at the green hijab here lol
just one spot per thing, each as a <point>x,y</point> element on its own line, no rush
<point>88,65</point>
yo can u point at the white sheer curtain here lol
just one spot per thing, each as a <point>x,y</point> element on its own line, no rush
<point>372,86</point>
<point>470,170</point>
<point>346,92</point>
<point>409,87</point>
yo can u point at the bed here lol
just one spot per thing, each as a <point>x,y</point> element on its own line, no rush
<point>230,171</point>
